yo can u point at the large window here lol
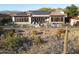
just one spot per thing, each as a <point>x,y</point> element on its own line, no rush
<point>38,19</point>
<point>21,19</point>
<point>56,19</point>
<point>52,19</point>
<point>26,19</point>
<point>61,18</point>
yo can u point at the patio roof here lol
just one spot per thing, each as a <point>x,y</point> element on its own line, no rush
<point>39,12</point>
<point>57,12</point>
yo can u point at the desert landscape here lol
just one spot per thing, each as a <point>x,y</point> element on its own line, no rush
<point>45,30</point>
<point>50,40</point>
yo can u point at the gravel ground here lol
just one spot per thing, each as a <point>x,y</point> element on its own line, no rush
<point>54,44</point>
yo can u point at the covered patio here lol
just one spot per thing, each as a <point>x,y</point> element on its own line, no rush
<point>38,20</point>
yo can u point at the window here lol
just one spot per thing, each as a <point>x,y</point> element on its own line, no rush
<point>52,19</point>
<point>26,19</point>
<point>57,19</point>
<point>20,19</point>
<point>16,19</point>
<point>61,18</point>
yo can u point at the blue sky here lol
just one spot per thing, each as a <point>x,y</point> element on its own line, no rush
<point>24,7</point>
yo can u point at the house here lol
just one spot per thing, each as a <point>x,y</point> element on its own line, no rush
<point>35,17</point>
<point>30,17</point>
<point>74,21</point>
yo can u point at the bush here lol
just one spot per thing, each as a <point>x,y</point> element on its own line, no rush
<point>77,45</point>
<point>60,31</point>
<point>9,40</point>
<point>37,40</point>
<point>13,42</point>
<point>1,29</point>
<point>34,32</point>
<point>6,41</point>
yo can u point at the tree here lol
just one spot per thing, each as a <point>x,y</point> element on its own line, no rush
<point>45,9</point>
<point>71,10</point>
<point>6,20</point>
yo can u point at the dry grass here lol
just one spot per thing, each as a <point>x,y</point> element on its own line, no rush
<point>60,31</point>
<point>47,32</point>
<point>50,31</point>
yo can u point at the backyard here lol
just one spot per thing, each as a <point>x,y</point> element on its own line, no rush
<point>39,40</point>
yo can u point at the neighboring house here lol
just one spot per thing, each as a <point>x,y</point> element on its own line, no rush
<point>74,21</point>
<point>54,18</point>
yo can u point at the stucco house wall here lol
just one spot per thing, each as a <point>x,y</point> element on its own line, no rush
<point>73,21</point>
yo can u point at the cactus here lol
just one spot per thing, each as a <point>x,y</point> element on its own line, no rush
<point>66,41</point>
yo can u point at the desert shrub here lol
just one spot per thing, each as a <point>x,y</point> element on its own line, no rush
<point>60,31</point>
<point>77,44</point>
<point>34,32</point>
<point>60,34</point>
<point>9,40</point>
<point>11,43</point>
<point>6,34</point>
<point>1,29</point>
<point>73,45</point>
<point>37,40</point>
<point>6,40</point>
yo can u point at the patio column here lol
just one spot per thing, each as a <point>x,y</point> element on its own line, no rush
<point>50,19</point>
<point>63,19</point>
<point>29,18</point>
<point>60,19</point>
<point>13,19</point>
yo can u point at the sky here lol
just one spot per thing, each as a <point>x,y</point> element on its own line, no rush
<point>25,7</point>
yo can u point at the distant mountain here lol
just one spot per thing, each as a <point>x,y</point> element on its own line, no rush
<point>9,11</point>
